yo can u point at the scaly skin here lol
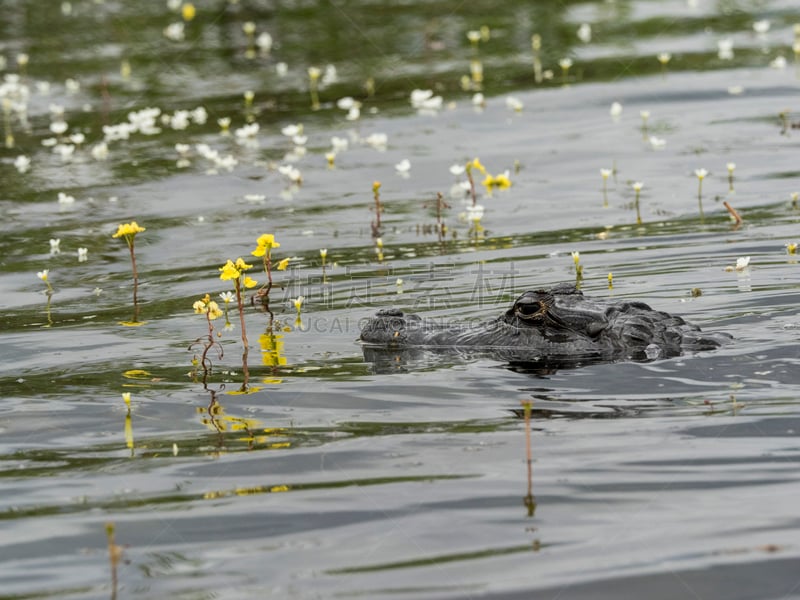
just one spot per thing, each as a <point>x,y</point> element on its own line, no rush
<point>558,323</point>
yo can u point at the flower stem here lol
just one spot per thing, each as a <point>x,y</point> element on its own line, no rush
<point>135,272</point>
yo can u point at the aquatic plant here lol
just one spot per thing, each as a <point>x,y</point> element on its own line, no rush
<point>376,196</point>
<point>314,74</point>
<point>264,245</point>
<point>701,175</point>
<point>565,64</point>
<point>115,553</point>
<point>236,273</point>
<point>536,47</point>
<point>737,218</point>
<point>637,188</point>
<point>129,231</point>
<point>576,258</point>
<point>605,174</point>
<point>610,280</point>
<point>206,306</point>
<point>731,168</point>
<point>645,115</point>
<point>664,58</point>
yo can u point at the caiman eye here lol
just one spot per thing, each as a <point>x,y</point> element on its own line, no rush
<point>529,309</point>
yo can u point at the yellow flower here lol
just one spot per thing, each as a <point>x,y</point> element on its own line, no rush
<point>264,244</point>
<point>127,229</point>
<point>298,303</point>
<point>249,282</point>
<point>188,11</point>
<point>241,265</point>
<point>283,264</point>
<point>476,164</point>
<point>199,307</point>
<point>376,185</point>
<point>126,397</point>
<point>499,181</point>
<point>214,311</point>
<point>229,271</point>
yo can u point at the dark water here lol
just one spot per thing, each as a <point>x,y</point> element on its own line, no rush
<point>403,476</point>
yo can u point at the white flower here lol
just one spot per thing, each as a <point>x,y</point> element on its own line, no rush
<point>701,173</point>
<point>656,142</point>
<point>475,213</point>
<point>292,130</point>
<point>227,297</point>
<point>457,169</point>
<point>420,96</point>
<point>585,33</point>
<point>249,27</point>
<point>606,173</point>
<point>616,109</point>
<point>377,140</point>
<point>100,151</point>
<point>664,57</point>
<point>725,49</point>
<point>224,122</point>
<point>314,73</point>
<point>65,199</point>
<point>431,104</point>
<point>347,102</point>
<point>65,151</point>
<point>58,127</point>
<point>174,32</point>
<point>731,166</point>
<point>645,114</point>
<point>227,162</point>
<point>354,113</point>
<point>83,254</point>
<point>403,167</point>
<point>22,163</point>
<point>179,120</point>
<point>323,252</point>
<point>77,138</point>
<point>182,149</point>
<point>779,62</point>
<point>761,27</point>
<point>742,263</point>
<point>54,246</point>
<point>339,144</point>
<point>514,103</point>
<point>43,274</point>
<point>637,186</point>
<point>565,63</point>
<point>247,131</point>
<point>478,100</point>
<point>292,173</point>
<point>474,36</point>
<point>264,42</point>
<point>199,115</point>
<point>330,75</point>
<point>281,69</point>
<point>299,140</point>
